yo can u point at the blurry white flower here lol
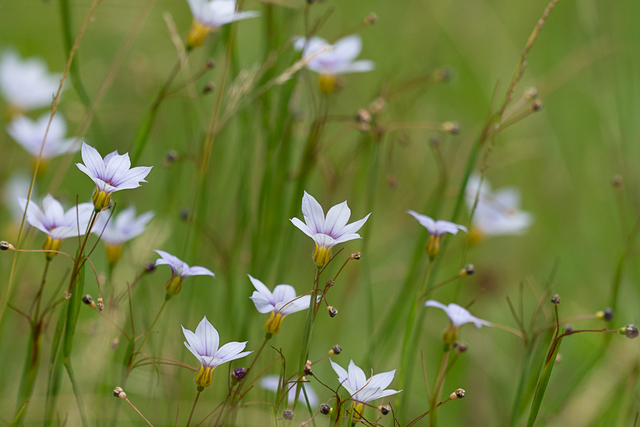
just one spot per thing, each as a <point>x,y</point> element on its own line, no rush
<point>496,212</point>
<point>55,222</point>
<point>339,58</point>
<point>361,389</point>
<point>271,382</point>
<point>179,270</point>
<point>119,229</point>
<point>211,14</point>
<point>29,133</point>
<point>327,232</point>
<point>204,346</point>
<point>280,303</point>
<point>17,188</point>
<point>26,84</point>
<point>112,174</point>
<point>436,230</point>
<point>458,316</point>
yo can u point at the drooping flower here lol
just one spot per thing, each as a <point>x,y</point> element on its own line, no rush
<point>179,270</point>
<point>458,316</point>
<point>123,227</point>
<point>361,389</point>
<point>55,222</point>
<point>436,229</point>
<point>497,213</point>
<point>272,382</point>
<point>204,346</point>
<point>29,133</point>
<point>26,84</point>
<point>208,15</point>
<point>112,174</point>
<point>327,232</point>
<point>280,303</point>
<point>339,58</point>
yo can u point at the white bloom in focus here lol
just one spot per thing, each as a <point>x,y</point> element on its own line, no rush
<point>497,213</point>
<point>436,230</point>
<point>27,84</point>
<point>271,382</point>
<point>361,389</point>
<point>457,315</point>
<point>112,174</point>
<point>179,271</point>
<point>55,222</point>
<point>211,14</point>
<point>29,133</point>
<point>204,346</point>
<point>280,303</point>
<point>119,229</point>
<point>327,232</point>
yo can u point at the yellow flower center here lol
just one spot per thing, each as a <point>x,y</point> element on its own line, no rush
<point>51,245</point>
<point>433,245</point>
<point>204,377</point>
<point>327,83</point>
<point>174,286</point>
<point>114,253</point>
<point>322,255</point>
<point>197,34</point>
<point>358,409</point>
<point>274,323</point>
<point>100,199</point>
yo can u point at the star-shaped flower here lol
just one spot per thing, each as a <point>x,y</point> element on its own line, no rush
<point>29,133</point>
<point>361,389</point>
<point>125,226</point>
<point>497,213</point>
<point>26,84</point>
<point>179,271</point>
<point>272,382</point>
<point>458,316</point>
<point>204,346</point>
<point>112,174</point>
<point>436,230</point>
<point>327,232</point>
<point>280,303</point>
<point>55,222</point>
<point>209,15</point>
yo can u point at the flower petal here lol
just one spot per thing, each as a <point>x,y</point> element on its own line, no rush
<point>208,336</point>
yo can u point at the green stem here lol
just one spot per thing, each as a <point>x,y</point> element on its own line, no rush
<point>148,334</point>
<point>76,390</point>
<point>437,387</point>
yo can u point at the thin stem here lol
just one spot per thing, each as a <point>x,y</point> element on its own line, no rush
<point>194,407</point>
<point>148,334</point>
<point>139,413</point>
<point>442,372</point>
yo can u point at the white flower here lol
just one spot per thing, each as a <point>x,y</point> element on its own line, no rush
<point>179,271</point>
<point>123,227</point>
<point>272,382</point>
<point>204,346</point>
<point>496,212</point>
<point>436,229</point>
<point>114,173</point>
<point>458,316</point>
<point>338,59</point>
<point>27,84</point>
<point>280,303</point>
<point>17,187</point>
<point>327,232</point>
<point>361,389</point>
<point>54,221</point>
<point>211,14</point>
<point>29,133</point>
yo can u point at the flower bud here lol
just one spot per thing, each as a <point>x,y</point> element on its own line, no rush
<point>210,64</point>
<point>335,350</point>
<point>536,105</point>
<point>451,127</point>
<point>329,284</point>
<point>356,255</point>
<point>568,328</point>
<point>458,394</point>
<point>384,410</point>
<point>149,267</point>
<point>307,368</point>
<point>170,158</point>
<point>119,392</point>
<point>469,270</point>
<point>333,312</point>
<point>6,246</point>
<point>460,347</point>
<point>287,414</point>
<point>89,301</point>
<point>325,409</point>
<point>371,19</point>
<point>208,88</point>
<point>606,314</point>
<point>629,331</point>
<point>555,299</point>
<point>239,373</point>
<point>100,304</point>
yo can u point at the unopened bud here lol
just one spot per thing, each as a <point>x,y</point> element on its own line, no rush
<point>606,314</point>
<point>208,88</point>
<point>88,300</point>
<point>530,93</point>
<point>536,105</point>
<point>210,64</point>
<point>356,256</point>
<point>458,394</point>
<point>469,270</point>
<point>371,19</point>
<point>629,331</point>
<point>149,267</point>
<point>617,181</point>
<point>287,414</point>
<point>555,299</point>
<point>452,127</point>
<point>336,349</point>
<point>170,157</point>
<point>329,284</point>
<point>239,374</point>
<point>325,409</point>
<point>363,116</point>
<point>6,246</point>
<point>119,392</point>
<point>568,327</point>
<point>100,304</point>
<point>384,410</point>
<point>460,347</point>
<point>333,312</point>
<point>307,368</point>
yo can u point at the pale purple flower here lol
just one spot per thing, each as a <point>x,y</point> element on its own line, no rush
<point>114,173</point>
<point>27,84</point>
<point>122,227</point>
<point>361,389</point>
<point>214,13</point>
<point>30,133</point>
<point>272,382</point>
<point>54,221</point>
<point>282,300</point>
<point>327,232</point>
<point>458,316</point>
<point>339,58</point>
<point>437,228</point>
<point>180,268</point>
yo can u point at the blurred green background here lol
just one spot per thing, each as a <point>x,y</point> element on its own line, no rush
<point>563,158</point>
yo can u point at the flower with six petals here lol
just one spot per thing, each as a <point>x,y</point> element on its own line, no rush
<point>116,231</point>
<point>458,316</point>
<point>179,270</point>
<point>30,133</point>
<point>327,232</point>
<point>436,230</point>
<point>208,15</point>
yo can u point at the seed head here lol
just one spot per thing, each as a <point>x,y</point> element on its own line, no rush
<point>458,394</point>
<point>363,116</point>
<point>460,347</point>
<point>149,267</point>
<point>371,19</point>
<point>329,284</point>
<point>335,350</point>
<point>88,300</point>
<point>208,88</point>
<point>629,331</point>
<point>119,392</point>
<point>333,312</point>
<point>100,304</point>
<point>452,127</point>
<point>6,246</point>
<point>606,314</point>
<point>536,105</point>
<point>170,158</point>
<point>568,327</point>
<point>555,299</point>
<point>325,409</point>
<point>384,410</point>
<point>356,255</point>
<point>307,368</point>
<point>469,270</point>
<point>210,64</point>
<point>287,414</point>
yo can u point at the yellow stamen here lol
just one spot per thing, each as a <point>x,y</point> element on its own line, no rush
<point>322,255</point>
<point>433,245</point>
<point>274,323</point>
<point>114,253</point>
<point>358,409</point>
<point>204,377</point>
<point>327,84</point>
<point>197,34</point>
<point>475,236</point>
<point>100,199</point>
<point>51,245</point>
<point>174,286</point>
